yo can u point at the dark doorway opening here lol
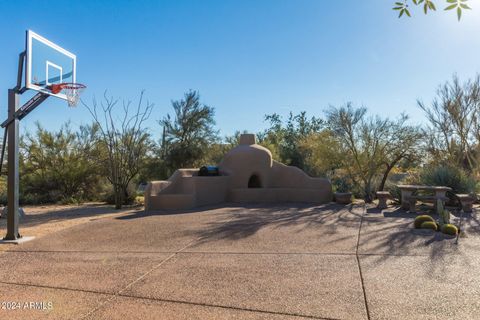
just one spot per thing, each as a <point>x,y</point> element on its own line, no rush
<point>254,181</point>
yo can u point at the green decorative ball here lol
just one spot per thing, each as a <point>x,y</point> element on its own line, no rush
<point>450,229</point>
<point>429,225</point>
<point>421,219</point>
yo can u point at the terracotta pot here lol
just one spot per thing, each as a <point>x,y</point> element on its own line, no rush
<point>343,197</point>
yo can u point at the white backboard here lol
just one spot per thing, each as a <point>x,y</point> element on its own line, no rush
<point>47,63</point>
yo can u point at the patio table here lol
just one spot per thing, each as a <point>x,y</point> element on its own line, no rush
<point>407,190</point>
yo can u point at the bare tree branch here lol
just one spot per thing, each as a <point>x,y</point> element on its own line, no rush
<point>125,143</point>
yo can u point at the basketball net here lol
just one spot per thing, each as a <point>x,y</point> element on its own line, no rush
<point>71,90</point>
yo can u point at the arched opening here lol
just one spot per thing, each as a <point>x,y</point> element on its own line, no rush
<point>254,181</point>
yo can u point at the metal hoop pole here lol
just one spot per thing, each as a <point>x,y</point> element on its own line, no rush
<point>13,172</point>
<point>4,143</point>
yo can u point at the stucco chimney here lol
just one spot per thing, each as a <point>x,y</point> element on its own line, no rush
<point>247,139</point>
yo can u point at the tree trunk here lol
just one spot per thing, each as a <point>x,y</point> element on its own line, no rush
<point>368,197</point>
<point>118,197</point>
<point>125,195</point>
<point>385,177</point>
<point>368,192</point>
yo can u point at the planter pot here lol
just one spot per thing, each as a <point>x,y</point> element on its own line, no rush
<point>343,197</point>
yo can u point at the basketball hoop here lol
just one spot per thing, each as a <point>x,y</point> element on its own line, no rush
<point>71,90</point>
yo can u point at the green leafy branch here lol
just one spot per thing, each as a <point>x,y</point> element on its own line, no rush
<point>428,5</point>
<point>402,7</point>
<point>459,5</point>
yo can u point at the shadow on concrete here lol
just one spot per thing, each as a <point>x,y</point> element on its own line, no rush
<point>470,222</point>
<point>391,233</point>
<point>90,210</point>
<point>254,217</point>
<point>143,214</point>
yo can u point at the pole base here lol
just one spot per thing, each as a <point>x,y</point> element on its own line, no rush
<point>16,241</point>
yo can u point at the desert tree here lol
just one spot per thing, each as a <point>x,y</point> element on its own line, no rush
<point>284,137</point>
<point>453,125</point>
<point>403,143</point>
<point>322,153</point>
<point>189,134</point>
<point>123,138</point>
<point>371,146</point>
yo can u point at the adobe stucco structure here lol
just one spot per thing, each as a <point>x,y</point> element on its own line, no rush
<point>247,174</point>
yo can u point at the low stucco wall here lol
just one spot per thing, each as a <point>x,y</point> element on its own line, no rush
<point>184,191</point>
<point>170,202</point>
<point>211,190</point>
<point>282,176</point>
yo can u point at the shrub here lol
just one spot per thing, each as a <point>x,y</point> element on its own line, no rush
<point>450,229</point>
<point>34,198</point>
<point>421,219</point>
<point>341,184</point>
<point>71,200</point>
<point>429,225</point>
<point>139,200</point>
<point>449,176</point>
<point>128,199</point>
<point>59,166</point>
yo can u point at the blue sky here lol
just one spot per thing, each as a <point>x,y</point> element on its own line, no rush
<point>247,58</point>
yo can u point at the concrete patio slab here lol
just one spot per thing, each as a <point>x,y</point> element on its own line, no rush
<point>64,304</point>
<point>446,287</point>
<point>45,220</point>
<point>293,229</point>
<point>135,232</point>
<point>133,308</point>
<point>393,233</point>
<point>249,262</point>
<point>297,284</point>
<point>100,272</point>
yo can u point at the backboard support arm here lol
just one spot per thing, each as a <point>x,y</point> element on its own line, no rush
<point>28,107</point>
<point>21,62</point>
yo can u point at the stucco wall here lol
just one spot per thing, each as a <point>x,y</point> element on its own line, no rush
<point>277,182</point>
